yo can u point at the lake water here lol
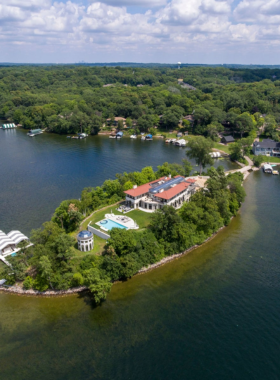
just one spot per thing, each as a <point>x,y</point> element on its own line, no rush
<point>211,315</point>
<point>37,173</point>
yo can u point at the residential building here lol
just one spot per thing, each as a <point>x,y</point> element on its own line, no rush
<point>227,139</point>
<point>165,191</point>
<point>267,147</point>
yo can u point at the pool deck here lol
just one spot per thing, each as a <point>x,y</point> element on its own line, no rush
<point>124,221</point>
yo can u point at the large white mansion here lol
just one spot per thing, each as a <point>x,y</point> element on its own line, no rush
<point>165,191</point>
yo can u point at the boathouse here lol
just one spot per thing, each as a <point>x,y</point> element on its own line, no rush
<point>9,242</point>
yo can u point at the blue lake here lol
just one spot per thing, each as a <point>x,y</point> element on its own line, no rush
<point>37,173</point>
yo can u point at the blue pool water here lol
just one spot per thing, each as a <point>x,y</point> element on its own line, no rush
<point>110,224</point>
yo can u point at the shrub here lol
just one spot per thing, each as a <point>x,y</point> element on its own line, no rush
<point>28,282</point>
<point>258,160</point>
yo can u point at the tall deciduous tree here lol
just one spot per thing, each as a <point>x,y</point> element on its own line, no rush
<point>200,149</point>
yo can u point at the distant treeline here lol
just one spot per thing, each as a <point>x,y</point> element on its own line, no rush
<point>65,99</point>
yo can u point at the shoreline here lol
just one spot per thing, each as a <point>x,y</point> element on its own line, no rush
<point>17,290</point>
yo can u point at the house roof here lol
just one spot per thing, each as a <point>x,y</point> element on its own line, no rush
<point>12,238</point>
<point>165,194</point>
<point>173,191</point>
<point>228,138</point>
<point>143,189</point>
<point>267,143</point>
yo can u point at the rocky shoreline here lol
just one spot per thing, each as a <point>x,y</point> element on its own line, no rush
<point>16,289</point>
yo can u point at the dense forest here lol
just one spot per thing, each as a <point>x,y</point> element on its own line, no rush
<point>65,99</point>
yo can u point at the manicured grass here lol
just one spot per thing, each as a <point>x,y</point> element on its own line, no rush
<point>98,247</point>
<point>140,217</point>
<point>267,159</point>
<point>224,148</point>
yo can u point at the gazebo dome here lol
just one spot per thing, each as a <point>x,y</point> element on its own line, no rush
<point>85,234</point>
<point>85,241</point>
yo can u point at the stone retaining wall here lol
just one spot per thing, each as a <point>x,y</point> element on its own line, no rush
<point>48,293</point>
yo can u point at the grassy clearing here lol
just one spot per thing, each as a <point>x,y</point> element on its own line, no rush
<point>140,217</point>
<point>266,159</point>
<point>98,247</point>
<point>224,148</point>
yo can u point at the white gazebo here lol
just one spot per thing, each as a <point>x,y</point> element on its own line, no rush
<point>85,241</point>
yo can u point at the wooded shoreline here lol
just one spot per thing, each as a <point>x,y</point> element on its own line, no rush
<point>17,290</point>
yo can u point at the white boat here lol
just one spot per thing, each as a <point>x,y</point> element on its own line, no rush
<point>173,141</point>
<point>181,142</point>
<point>143,138</point>
<point>82,135</point>
<point>112,137</point>
<point>167,141</point>
<point>34,132</point>
<point>133,137</point>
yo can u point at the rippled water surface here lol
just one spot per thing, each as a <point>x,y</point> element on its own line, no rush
<point>37,173</point>
<point>213,314</point>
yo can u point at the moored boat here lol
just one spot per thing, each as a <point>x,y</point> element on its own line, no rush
<point>34,132</point>
<point>82,135</point>
<point>133,137</point>
<point>181,142</point>
<point>149,137</point>
<point>119,135</point>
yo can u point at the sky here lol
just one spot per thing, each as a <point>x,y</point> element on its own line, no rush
<point>162,31</point>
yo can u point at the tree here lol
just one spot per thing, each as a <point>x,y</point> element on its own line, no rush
<point>45,269</point>
<point>122,241</point>
<point>200,149</point>
<point>244,123</point>
<point>145,122</point>
<point>213,131</point>
<point>163,223</point>
<point>98,286</point>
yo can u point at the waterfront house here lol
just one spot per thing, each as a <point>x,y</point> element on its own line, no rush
<point>166,191</point>
<point>9,242</point>
<point>267,147</point>
<point>115,122</point>
<point>227,139</point>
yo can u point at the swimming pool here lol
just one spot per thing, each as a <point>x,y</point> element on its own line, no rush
<point>109,224</point>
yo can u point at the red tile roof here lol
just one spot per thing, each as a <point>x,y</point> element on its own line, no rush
<point>173,191</point>
<point>143,189</point>
<point>191,180</point>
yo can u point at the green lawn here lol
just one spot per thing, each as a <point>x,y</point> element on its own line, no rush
<point>224,148</point>
<point>140,217</point>
<point>267,159</point>
<point>98,247</point>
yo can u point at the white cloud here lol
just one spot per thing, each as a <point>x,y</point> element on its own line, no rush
<point>109,28</point>
<point>129,3</point>
<point>266,12</point>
